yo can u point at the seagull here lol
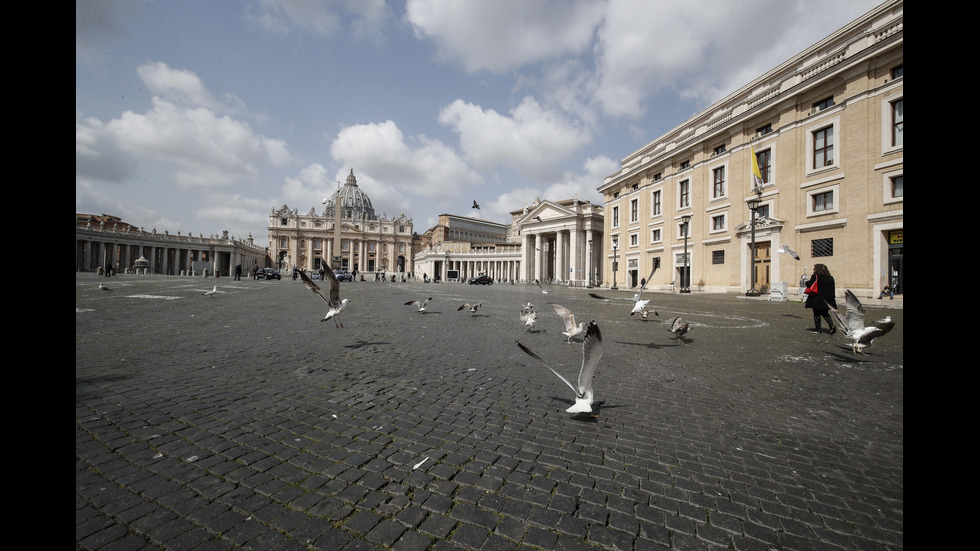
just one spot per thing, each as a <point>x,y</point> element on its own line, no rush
<point>212,292</point>
<point>679,327</point>
<point>538,218</point>
<point>103,287</point>
<point>336,306</point>
<point>571,329</point>
<point>640,305</point>
<point>538,283</point>
<point>528,317</point>
<point>421,305</point>
<point>853,324</point>
<point>789,251</point>
<point>472,308</point>
<point>591,353</point>
<point>475,205</point>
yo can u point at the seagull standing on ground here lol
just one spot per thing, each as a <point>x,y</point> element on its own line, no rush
<point>421,305</point>
<point>334,304</point>
<point>212,292</point>
<point>472,308</point>
<point>640,305</point>
<point>571,328</point>
<point>103,287</point>
<point>591,353</point>
<point>528,316</point>
<point>853,327</point>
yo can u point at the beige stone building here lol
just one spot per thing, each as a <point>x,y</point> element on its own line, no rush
<point>348,232</point>
<point>826,131</point>
<point>561,241</point>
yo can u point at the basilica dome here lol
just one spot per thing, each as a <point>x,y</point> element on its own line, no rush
<point>354,203</point>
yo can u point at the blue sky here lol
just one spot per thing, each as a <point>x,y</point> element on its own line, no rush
<point>200,117</point>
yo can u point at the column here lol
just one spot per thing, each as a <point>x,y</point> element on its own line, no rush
<point>560,272</point>
<point>538,256</point>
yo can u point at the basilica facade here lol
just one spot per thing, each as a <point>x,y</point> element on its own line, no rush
<point>348,234</point>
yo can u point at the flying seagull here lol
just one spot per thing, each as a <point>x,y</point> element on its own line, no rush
<point>571,328</point>
<point>591,353</point>
<point>472,308</point>
<point>789,251</point>
<point>538,218</point>
<point>640,305</point>
<point>475,205</point>
<point>528,316</point>
<point>421,305</point>
<point>103,287</point>
<point>335,305</point>
<point>212,292</point>
<point>679,327</point>
<point>538,283</point>
<point>852,324</point>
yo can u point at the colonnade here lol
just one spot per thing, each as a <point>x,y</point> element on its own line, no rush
<point>364,254</point>
<point>569,256</point>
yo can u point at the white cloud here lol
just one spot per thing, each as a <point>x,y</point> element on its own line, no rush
<point>178,86</point>
<point>364,17</point>
<point>531,141</point>
<point>420,166</point>
<point>504,35</point>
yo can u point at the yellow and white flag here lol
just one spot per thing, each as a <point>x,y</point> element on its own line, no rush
<point>756,173</point>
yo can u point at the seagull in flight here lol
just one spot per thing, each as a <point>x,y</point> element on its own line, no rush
<point>789,251</point>
<point>679,327</point>
<point>538,283</point>
<point>335,305</point>
<point>421,305</point>
<point>591,353</point>
<point>212,292</point>
<point>472,308</point>
<point>571,328</point>
<point>103,287</point>
<point>853,327</point>
<point>475,205</point>
<point>640,305</point>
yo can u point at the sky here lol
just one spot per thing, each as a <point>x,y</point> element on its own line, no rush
<point>198,117</point>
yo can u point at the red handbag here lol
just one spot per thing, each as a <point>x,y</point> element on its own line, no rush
<point>811,290</point>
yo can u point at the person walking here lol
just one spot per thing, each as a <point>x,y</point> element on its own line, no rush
<point>821,292</point>
<point>238,272</point>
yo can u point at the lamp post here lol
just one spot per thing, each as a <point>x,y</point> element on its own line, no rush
<point>590,265</point>
<point>615,264</point>
<point>686,275</point>
<point>753,204</point>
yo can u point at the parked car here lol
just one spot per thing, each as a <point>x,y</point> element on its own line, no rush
<point>267,273</point>
<point>481,280</point>
<point>344,275</point>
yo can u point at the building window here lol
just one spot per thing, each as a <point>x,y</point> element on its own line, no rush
<point>897,71</point>
<point>718,150</point>
<point>763,130</point>
<point>656,236</point>
<point>718,257</point>
<point>893,184</point>
<point>718,186</point>
<point>283,221</point>
<point>823,147</point>
<point>764,159</point>
<point>683,230</point>
<point>897,186</point>
<point>615,217</point>
<point>685,164</point>
<point>283,242</point>
<point>634,210</point>
<point>718,222</point>
<point>655,205</point>
<point>684,194</point>
<point>634,187</point>
<point>634,240</point>
<point>898,118</point>
<point>762,211</point>
<point>822,247</point>
<point>823,104</point>
<point>822,201</point>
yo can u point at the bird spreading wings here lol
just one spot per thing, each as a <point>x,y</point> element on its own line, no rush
<point>538,283</point>
<point>475,205</point>
<point>471,307</point>
<point>571,328</point>
<point>334,304</point>
<point>421,305</point>
<point>852,324</point>
<point>528,316</point>
<point>591,353</point>
<point>785,249</point>
<point>679,327</point>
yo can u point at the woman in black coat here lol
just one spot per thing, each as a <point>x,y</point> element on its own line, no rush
<point>824,296</point>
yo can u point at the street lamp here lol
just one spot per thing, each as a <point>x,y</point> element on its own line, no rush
<point>754,205</point>
<point>615,263</point>
<point>686,276</point>
<point>590,265</point>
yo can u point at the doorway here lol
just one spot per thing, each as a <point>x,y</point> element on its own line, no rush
<point>761,265</point>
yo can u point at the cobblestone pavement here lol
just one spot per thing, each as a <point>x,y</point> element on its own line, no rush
<point>241,421</point>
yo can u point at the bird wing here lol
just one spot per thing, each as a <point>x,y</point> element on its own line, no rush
<point>855,312</point>
<point>566,315</point>
<point>315,288</point>
<point>544,363</point>
<point>591,352</point>
<point>676,324</point>
<point>879,328</point>
<point>600,297</point>
<point>426,302</point>
<point>649,277</point>
<point>334,285</point>
<point>467,305</point>
<point>411,302</point>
